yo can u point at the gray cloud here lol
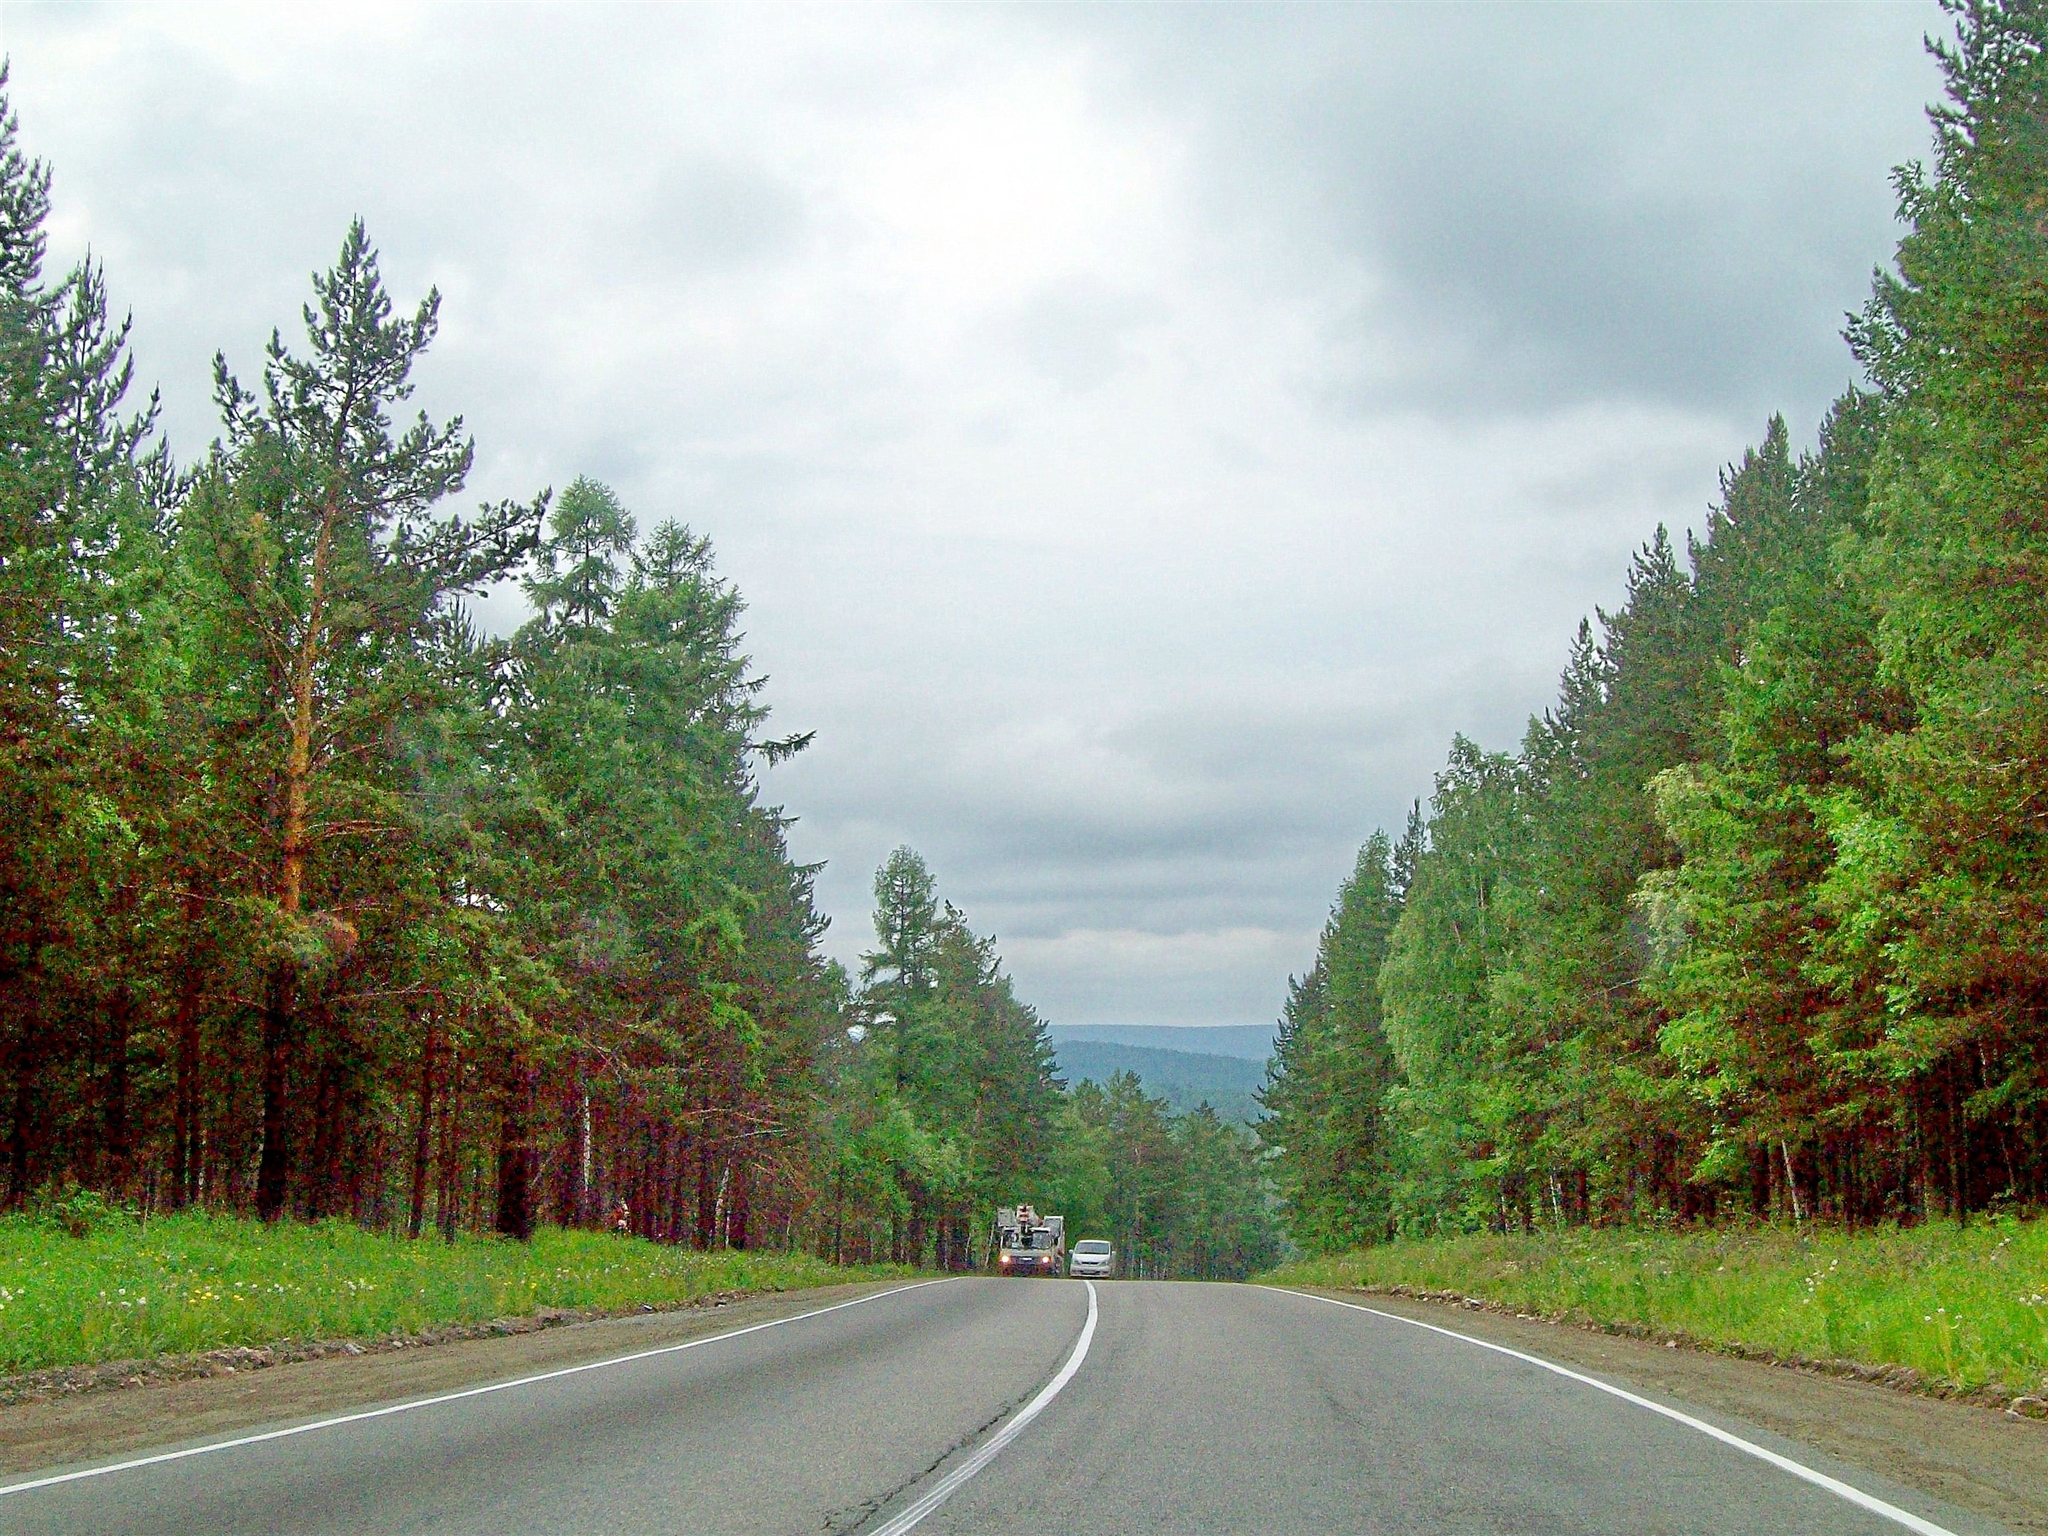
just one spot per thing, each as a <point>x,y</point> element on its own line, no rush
<point>708,214</point>
<point>1078,331</point>
<point>1562,202</point>
<point>1143,435</point>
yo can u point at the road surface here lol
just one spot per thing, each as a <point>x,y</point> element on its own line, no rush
<point>1144,1408</point>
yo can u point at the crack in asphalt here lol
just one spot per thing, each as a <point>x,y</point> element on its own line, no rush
<point>1029,1404</point>
<point>841,1521</point>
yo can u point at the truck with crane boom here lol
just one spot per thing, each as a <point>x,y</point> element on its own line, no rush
<point>1026,1243</point>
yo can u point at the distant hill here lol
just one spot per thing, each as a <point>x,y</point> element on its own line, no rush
<point>1183,1078</point>
<point>1253,1042</point>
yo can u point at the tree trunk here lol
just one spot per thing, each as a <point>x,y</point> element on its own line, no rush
<point>707,1194</point>
<point>274,1171</point>
<point>515,1158</point>
<point>274,1176</point>
<point>185,1101</point>
<point>742,1205</point>
<point>422,1136</point>
<point>587,1206</point>
<point>115,1125</point>
<point>26,1066</point>
<point>574,1197</point>
<point>323,1173</point>
<point>1958,1152</point>
<point>449,1188</point>
<point>298,771</point>
<point>448,1201</point>
<point>1791,1184</point>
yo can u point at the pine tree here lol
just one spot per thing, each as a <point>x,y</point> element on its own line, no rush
<point>1753,1030</point>
<point>1938,901</point>
<point>579,568</point>
<point>1332,1069</point>
<point>323,536</point>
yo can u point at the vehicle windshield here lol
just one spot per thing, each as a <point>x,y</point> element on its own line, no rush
<point>1091,1247</point>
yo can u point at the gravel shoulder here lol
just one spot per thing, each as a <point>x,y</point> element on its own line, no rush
<point>1981,1459</point>
<point>94,1425</point>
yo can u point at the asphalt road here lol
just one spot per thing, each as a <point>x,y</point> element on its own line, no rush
<point>1196,1408</point>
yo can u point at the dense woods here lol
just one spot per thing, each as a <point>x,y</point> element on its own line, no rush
<point>1756,919</point>
<point>317,900</point>
<point>947,1105</point>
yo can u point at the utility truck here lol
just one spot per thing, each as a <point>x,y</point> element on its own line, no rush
<point>1027,1243</point>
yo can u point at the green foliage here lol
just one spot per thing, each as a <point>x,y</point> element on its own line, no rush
<point>944,1104</point>
<point>76,1212</point>
<point>1181,1196</point>
<point>1963,1306</point>
<point>949,1088</point>
<point>1937,903</point>
<point>1185,1079</point>
<point>1332,1068</point>
<point>948,1105</point>
<point>315,901</point>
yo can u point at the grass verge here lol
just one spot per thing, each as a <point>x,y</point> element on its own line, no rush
<point>191,1282</point>
<point>1965,1309</point>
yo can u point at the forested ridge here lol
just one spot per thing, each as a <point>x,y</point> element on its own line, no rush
<point>1755,921</point>
<point>1185,1079</point>
<point>319,901</point>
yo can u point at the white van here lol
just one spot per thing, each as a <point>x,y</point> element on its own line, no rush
<point>1092,1259</point>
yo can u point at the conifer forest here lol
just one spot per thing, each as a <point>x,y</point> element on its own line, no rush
<point>1754,924</point>
<point>317,901</point>
<point>320,900</point>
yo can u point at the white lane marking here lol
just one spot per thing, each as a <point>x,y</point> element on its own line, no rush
<point>992,1447</point>
<point>1834,1485</point>
<point>447,1397</point>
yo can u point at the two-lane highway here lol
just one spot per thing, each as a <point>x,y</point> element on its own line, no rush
<point>1211,1408</point>
<point>1186,1408</point>
<point>808,1425</point>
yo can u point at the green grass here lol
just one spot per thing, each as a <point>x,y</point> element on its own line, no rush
<point>1964,1307</point>
<point>194,1282</point>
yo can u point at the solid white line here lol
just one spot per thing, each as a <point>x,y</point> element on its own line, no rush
<point>992,1447</point>
<point>446,1397</point>
<point>1834,1485</point>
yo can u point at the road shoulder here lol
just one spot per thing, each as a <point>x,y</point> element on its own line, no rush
<point>93,1426</point>
<point>1976,1458</point>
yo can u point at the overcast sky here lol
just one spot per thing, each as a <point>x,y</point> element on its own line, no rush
<point>1143,436</point>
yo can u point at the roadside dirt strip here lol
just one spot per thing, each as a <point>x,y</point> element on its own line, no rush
<point>108,1423</point>
<point>1978,1458</point>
